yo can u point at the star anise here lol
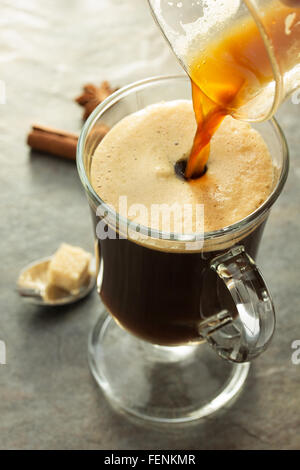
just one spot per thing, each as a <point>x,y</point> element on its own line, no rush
<point>93,95</point>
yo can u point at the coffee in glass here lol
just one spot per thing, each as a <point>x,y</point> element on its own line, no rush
<point>177,289</point>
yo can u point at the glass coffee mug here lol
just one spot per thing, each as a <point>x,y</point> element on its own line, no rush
<point>243,54</point>
<point>177,299</point>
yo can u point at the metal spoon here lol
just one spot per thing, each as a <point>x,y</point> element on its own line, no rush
<point>32,282</point>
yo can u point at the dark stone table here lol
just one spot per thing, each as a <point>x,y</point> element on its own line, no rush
<point>48,398</point>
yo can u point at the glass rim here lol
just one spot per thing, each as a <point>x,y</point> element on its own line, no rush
<point>157,234</point>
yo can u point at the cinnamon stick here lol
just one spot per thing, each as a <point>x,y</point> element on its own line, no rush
<point>53,141</point>
<point>57,142</point>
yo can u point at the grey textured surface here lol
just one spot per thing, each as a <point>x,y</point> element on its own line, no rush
<point>48,398</point>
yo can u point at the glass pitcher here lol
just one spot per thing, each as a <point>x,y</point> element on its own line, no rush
<point>244,53</point>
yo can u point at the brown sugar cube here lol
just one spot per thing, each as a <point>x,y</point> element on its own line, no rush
<point>69,268</point>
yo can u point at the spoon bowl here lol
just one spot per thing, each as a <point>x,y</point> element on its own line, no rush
<point>32,281</point>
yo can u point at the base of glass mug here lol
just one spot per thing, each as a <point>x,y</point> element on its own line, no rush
<point>161,384</point>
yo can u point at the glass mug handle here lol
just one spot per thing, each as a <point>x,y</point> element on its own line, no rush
<point>244,336</point>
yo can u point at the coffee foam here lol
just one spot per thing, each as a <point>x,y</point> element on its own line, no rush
<point>136,159</point>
